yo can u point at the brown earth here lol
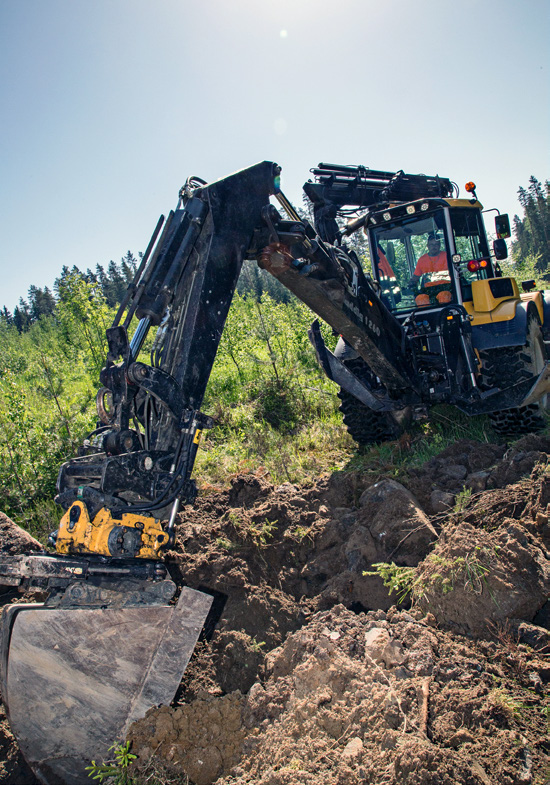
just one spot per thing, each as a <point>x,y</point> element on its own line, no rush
<point>313,675</point>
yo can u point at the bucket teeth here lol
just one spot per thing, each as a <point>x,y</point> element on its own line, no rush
<point>74,679</point>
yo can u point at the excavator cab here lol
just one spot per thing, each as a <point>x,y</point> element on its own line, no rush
<point>471,258</point>
<point>427,255</point>
<point>469,337</point>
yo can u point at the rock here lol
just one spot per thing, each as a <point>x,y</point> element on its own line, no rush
<point>400,529</point>
<point>353,749</point>
<point>14,540</point>
<point>536,637</point>
<point>382,649</point>
<point>441,501</point>
<point>452,475</point>
<point>477,482</point>
<point>376,640</point>
<point>360,549</point>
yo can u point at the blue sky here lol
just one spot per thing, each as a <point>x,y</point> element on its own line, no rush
<point>108,105</point>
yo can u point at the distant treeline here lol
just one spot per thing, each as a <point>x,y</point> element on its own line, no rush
<point>111,284</point>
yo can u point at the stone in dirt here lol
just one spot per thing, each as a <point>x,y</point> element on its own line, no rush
<point>441,501</point>
<point>401,531</point>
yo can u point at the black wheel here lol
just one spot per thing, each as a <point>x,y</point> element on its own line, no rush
<point>364,425</point>
<point>508,366</point>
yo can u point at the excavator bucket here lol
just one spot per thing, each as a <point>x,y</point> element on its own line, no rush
<point>73,680</point>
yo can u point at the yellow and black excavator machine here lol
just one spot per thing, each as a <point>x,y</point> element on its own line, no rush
<point>428,319</point>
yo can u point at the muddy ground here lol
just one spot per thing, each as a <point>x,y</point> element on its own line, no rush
<point>317,674</point>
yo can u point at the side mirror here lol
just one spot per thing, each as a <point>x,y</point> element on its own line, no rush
<point>500,249</point>
<point>502,227</point>
<point>528,286</point>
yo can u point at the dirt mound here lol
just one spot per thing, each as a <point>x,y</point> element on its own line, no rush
<point>203,738</point>
<point>355,698</point>
<point>332,683</point>
<point>15,540</point>
<point>475,580</point>
<point>491,564</point>
<point>312,675</point>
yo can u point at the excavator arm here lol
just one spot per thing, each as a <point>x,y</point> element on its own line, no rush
<point>150,411</point>
<point>149,405</point>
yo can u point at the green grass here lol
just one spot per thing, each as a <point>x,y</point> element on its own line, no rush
<point>319,443</point>
<point>256,446</point>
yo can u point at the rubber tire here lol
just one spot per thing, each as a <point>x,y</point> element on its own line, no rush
<point>364,425</point>
<point>507,366</point>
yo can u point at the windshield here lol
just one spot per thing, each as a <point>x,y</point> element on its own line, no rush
<point>411,262</point>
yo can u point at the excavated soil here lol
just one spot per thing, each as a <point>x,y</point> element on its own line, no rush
<point>315,674</point>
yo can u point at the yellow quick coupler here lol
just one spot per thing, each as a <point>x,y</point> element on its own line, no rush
<point>130,536</point>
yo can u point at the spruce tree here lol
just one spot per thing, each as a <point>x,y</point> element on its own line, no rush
<point>532,232</point>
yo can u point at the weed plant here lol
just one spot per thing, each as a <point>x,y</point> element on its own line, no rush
<point>438,575</point>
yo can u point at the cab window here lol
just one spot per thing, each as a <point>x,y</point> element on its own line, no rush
<point>410,261</point>
<point>472,259</point>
